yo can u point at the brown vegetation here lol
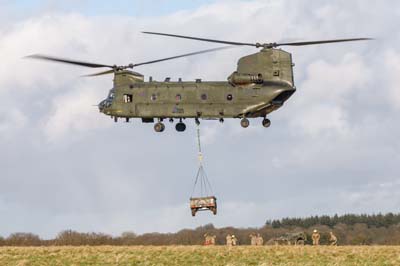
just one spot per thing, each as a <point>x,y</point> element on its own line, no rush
<point>368,233</point>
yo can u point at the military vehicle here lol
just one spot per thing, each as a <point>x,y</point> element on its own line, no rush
<point>298,238</point>
<point>203,203</point>
<point>261,84</point>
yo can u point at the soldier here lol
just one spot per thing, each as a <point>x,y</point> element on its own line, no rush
<point>234,240</point>
<point>253,239</point>
<point>229,240</point>
<point>315,237</point>
<point>259,240</point>
<point>206,240</point>
<point>333,239</point>
<point>212,239</point>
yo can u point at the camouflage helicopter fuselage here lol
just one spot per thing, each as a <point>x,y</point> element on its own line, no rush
<point>262,83</point>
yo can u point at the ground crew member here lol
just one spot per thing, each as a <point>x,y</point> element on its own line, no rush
<point>333,239</point>
<point>253,239</point>
<point>206,239</point>
<point>234,240</point>
<point>315,237</point>
<point>212,240</point>
<point>259,240</point>
<point>229,240</point>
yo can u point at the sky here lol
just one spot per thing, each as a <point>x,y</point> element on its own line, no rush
<point>332,148</point>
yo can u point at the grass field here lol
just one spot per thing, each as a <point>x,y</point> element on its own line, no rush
<point>198,255</point>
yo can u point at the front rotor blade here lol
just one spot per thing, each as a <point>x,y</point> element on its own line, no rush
<point>199,39</point>
<point>100,73</point>
<point>66,61</point>
<point>183,55</point>
<point>321,42</point>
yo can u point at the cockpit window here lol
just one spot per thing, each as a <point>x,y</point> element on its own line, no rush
<point>111,95</point>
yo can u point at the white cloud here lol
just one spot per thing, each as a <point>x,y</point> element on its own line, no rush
<point>74,112</point>
<point>11,120</point>
<point>391,72</point>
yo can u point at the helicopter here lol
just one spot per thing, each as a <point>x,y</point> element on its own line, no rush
<point>261,84</point>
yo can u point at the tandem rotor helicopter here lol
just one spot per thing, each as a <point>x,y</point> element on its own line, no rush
<point>261,84</point>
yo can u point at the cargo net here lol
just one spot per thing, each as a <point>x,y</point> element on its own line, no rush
<point>205,200</point>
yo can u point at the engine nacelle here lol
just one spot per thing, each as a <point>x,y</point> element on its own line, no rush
<point>242,79</point>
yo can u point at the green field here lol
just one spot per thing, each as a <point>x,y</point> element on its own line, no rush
<point>198,255</point>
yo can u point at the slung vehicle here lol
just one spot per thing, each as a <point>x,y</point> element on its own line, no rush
<point>261,84</point>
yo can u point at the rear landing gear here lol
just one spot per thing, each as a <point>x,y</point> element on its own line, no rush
<point>159,127</point>
<point>244,122</point>
<point>266,122</point>
<point>180,127</point>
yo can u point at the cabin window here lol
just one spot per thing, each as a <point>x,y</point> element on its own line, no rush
<point>276,73</point>
<point>153,97</point>
<point>128,98</point>
<point>204,96</point>
<point>178,97</point>
<point>229,97</point>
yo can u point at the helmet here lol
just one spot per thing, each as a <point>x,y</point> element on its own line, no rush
<point>315,230</point>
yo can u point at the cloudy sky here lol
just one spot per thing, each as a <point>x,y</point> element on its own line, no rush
<point>333,148</point>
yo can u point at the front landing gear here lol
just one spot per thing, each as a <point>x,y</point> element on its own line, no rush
<point>159,127</point>
<point>244,122</point>
<point>266,122</point>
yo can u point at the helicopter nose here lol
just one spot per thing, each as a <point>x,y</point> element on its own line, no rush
<point>101,106</point>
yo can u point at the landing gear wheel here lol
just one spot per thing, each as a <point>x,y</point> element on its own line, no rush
<point>193,212</point>
<point>214,210</point>
<point>180,127</point>
<point>159,127</point>
<point>266,122</point>
<point>244,122</point>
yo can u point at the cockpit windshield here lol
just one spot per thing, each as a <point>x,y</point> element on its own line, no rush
<point>111,95</point>
<point>108,101</point>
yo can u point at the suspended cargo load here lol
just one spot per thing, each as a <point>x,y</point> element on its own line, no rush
<point>205,199</point>
<point>203,204</point>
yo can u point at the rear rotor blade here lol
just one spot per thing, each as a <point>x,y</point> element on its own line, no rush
<point>321,42</point>
<point>183,55</point>
<point>199,39</point>
<point>265,45</point>
<point>67,61</point>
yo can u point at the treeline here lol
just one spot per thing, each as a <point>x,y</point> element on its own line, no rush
<point>375,220</point>
<point>350,230</point>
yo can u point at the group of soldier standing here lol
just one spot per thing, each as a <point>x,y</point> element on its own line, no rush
<point>257,239</point>
<point>231,240</point>
<point>316,237</point>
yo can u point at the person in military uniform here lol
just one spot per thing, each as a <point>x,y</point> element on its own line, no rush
<point>315,237</point>
<point>259,240</point>
<point>234,240</point>
<point>229,240</point>
<point>207,240</point>
<point>253,239</point>
<point>332,239</point>
<point>212,239</point>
